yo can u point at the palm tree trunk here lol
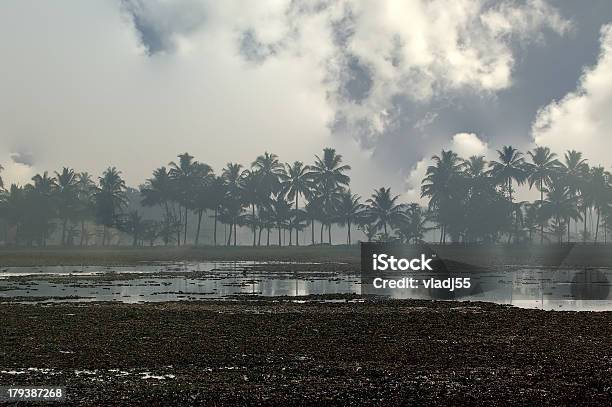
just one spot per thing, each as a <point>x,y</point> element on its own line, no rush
<point>569,219</point>
<point>235,232</point>
<point>185,232</point>
<point>82,232</point>
<point>254,225</point>
<point>321,233</point>
<point>259,237</point>
<point>584,234</point>
<point>348,226</point>
<point>290,236</point>
<point>215,228</point>
<point>178,229</point>
<point>297,232</point>
<point>197,237</point>
<point>229,238</point>
<point>268,238</point>
<point>512,213</point>
<point>329,233</point>
<point>542,221</point>
<point>167,224</point>
<point>597,226</point>
<point>312,230</point>
<point>279,236</point>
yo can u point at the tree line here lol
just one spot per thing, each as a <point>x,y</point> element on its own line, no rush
<point>470,200</point>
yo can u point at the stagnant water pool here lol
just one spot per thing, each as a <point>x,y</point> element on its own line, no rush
<point>563,289</point>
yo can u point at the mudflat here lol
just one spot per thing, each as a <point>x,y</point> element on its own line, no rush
<point>280,352</point>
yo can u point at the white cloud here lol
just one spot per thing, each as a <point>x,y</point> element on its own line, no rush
<point>78,88</point>
<point>468,144</point>
<point>582,120</point>
<point>428,49</point>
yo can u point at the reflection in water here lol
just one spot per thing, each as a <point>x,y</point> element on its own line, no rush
<point>525,287</point>
<point>590,285</point>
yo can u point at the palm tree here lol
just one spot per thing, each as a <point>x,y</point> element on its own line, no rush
<point>281,210</point>
<point>233,177</point>
<point>251,194</point>
<point>383,210</point>
<point>542,168</point>
<point>511,166</point>
<point>441,182</point>
<point>43,203</point>
<point>559,205</point>
<point>601,193</point>
<point>295,182</point>
<point>349,208</point>
<point>414,224</point>
<point>312,212</point>
<point>85,203</point>
<point>328,177</point>
<point>110,198</point>
<point>270,171</point>
<point>1,182</point>
<point>201,197</point>
<point>217,193</point>
<point>66,194</point>
<point>329,170</point>
<point>574,168</point>
<point>159,190</point>
<point>298,222</point>
<point>184,173</point>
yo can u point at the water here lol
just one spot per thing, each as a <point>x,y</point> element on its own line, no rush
<point>582,290</point>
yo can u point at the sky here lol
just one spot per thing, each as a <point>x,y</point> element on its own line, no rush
<point>387,83</point>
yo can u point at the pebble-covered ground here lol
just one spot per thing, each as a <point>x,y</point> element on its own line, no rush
<point>276,352</point>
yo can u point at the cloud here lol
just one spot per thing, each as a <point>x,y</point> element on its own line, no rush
<point>468,144</point>
<point>161,24</point>
<point>132,83</point>
<point>24,158</point>
<point>581,120</point>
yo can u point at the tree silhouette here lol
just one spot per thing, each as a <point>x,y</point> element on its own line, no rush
<point>110,199</point>
<point>349,209</point>
<point>383,210</point>
<point>540,172</point>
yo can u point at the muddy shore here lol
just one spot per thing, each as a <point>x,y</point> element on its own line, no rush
<point>279,352</point>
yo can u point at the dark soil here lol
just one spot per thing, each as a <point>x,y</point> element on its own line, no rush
<point>275,352</point>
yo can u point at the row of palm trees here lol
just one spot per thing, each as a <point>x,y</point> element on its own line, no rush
<point>268,197</point>
<point>470,200</point>
<point>66,201</point>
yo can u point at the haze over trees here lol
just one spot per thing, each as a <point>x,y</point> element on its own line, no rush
<point>470,200</point>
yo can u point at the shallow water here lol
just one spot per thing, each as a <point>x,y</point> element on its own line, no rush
<point>581,290</point>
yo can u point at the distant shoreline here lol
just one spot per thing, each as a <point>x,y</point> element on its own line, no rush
<point>588,255</point>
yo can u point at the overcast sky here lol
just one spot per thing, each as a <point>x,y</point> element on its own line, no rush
<point>133,83</point>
